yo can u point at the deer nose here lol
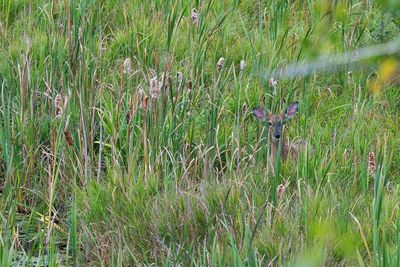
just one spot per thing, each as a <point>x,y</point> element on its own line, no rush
<point>277,135</point>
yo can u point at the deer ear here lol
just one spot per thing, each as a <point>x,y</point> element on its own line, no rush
<point>291,110</point>
<point>259,113</point>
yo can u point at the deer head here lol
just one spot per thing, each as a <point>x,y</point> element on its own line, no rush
<point>276,121</point>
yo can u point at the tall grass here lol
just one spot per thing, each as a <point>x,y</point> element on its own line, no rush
<point>97,168</point>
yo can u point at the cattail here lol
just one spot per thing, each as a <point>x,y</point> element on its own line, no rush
<point>179,76</point>
<point>145,103</point>
<point>242,65</point>
<point>127,66</point>
<point>220,63</point>
<point>58,103</point>
<point>155,88</point>
<point>244,108</point>
<point>166,82</point>
<point>68,137</point>
<point>371,163</point>
<point>128,117</point>
<point>190,86</point>
<point>195,16</point>
<point>280,190</point>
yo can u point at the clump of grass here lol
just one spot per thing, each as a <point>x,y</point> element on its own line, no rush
<point>126,139</point>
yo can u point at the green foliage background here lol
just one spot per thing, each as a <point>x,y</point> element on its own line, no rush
<point>188,180</point>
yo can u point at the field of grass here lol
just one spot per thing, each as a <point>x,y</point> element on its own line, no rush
<point>125,139</point>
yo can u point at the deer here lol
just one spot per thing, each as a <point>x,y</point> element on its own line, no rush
<point>277,134</point>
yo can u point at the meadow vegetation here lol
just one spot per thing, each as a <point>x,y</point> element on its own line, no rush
<point>127,136</point>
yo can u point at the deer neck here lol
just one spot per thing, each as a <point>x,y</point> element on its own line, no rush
<point>279,143</point>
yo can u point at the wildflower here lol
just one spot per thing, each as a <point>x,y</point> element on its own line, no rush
<point>58,103</point>
<point>195,16</point>
<point>179,76</point>
<point>155,88</point>
<point>242,65</point>
<point>371,163</point>
<point>127,66</point>
<point>220,63</point>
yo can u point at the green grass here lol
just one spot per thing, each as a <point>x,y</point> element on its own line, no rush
<point>187,180</point>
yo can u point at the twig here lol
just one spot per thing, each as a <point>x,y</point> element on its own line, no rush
<point>333,62</point>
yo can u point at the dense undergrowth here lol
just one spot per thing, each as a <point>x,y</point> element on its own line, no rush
<point>125,140</point>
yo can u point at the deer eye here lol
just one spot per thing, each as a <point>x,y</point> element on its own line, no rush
<point>270,123</point>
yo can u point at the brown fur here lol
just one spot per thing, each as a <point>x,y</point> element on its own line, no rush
<point>277,134</point>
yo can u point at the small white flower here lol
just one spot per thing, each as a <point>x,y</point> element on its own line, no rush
<point>242,65</point>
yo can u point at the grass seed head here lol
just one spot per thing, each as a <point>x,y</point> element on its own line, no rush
<point>346,155</point>
<point>140,91</point>
<point>166,82</point>
<point>220,63</point>
<point>371,163</point>
<point>127,66</point>
<point>61,28</point>
<point>179,76</point>
<point>155,88</point>
<point>58,104</point>
<point>80,34</point>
